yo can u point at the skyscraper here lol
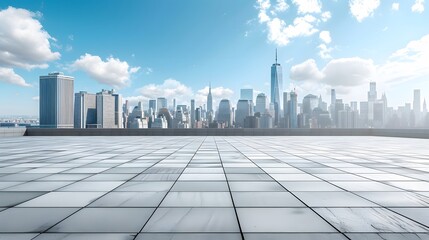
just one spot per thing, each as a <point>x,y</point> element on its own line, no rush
<point>85,110</point>
<point>246,94</point>
<point>224,114</point>
<point>372,98</point>
<point>161,102</point>
<point>152,104</point>
<point>293,110</point>
<point>261,103</point>
<point>109,111</point>
<point>276,88</point>
<point>192,113</point>
<point>244,109</point>
<point>372,94</point>
<point>56,101</point>
<point>210,100</point>
<point>416,102</point>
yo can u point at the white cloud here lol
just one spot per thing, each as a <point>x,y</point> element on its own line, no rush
<point>9,76</point>
<point>281,34</point>
<point>24,43</point>
<point>279,31</point>
<point>407,63</point>
<point>263,6</point>
<point>324,51</point>
<point>308,6</point>
<point>112,72</point>
<point>362,9</point>
<point>169,89</point>
<point>326,16</point>
<point>343,72</point>
<point>325,36</point>
<point>418,6</point>
<point>395,6</point>
<point>281,6</point>
<point>306,71</point>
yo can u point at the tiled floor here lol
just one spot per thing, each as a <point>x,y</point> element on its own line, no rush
<point>187,188</point>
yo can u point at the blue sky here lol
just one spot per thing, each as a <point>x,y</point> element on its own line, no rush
<point>172,48</point>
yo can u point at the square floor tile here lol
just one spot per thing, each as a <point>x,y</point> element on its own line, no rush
<point>368,220</point>
<point>32,219</point>
<point>193,220</point>
<point>105,220</point>
<point>281,220</point>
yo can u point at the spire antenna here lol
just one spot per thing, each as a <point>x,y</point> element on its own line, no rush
<point>276,55</point>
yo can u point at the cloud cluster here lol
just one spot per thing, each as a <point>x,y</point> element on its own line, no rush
<point>346,72</point>
<point>9,76</point>
<point>24,44</point>
<point>418,6</point>
<point>112,72</point>
<point>279,31</point>
<point>308,6</point>
<point>405,64</point>
<point>395,6</point>
<point>362,9</point>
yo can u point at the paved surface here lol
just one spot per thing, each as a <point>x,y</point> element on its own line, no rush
<point>214,188</point>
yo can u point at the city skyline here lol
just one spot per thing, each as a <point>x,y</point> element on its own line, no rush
<point>392,50</point>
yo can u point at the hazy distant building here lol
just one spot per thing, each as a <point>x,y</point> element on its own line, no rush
<point>56,101</point>
<point>332,106</point>
<point>246,94</point>
<point>416,104</point>
<point>210,100</point>
<point>85,110</point>
<point>192,113</point>
<point>161,102</point>
<point>152,105</point>
<point>224,113</point>
<point>166,114</point>
<point>293,105</point>
<point>309,103</point>
<point>266,121</point>
<point>244,109</point>
<point>261,103</point>
<point>276,88</point>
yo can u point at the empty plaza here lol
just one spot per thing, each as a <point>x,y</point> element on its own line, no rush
<point>214,187</point>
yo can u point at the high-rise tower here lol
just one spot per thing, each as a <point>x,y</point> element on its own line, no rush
<point>56,101</point>
<point>276,88</point>
<point>210,100</point>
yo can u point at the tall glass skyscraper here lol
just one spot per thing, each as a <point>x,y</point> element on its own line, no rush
<point>56,101</point>
<point>224,114</point>
<point>276,88</point>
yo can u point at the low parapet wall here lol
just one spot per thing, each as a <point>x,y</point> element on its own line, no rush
<point>411,133</point>
<point>12,132</point>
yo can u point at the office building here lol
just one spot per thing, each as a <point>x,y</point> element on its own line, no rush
<point>192,113</point>
<point>85,110</point>
<point>293,110</point>
<point>161,102</point>
<point>224,113</point>
<point>109,109</point>
<point>261,103</point>
<point>246,94</point>
<point>56,101</point>
<point>152,105</point>
<point>244,109</point>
